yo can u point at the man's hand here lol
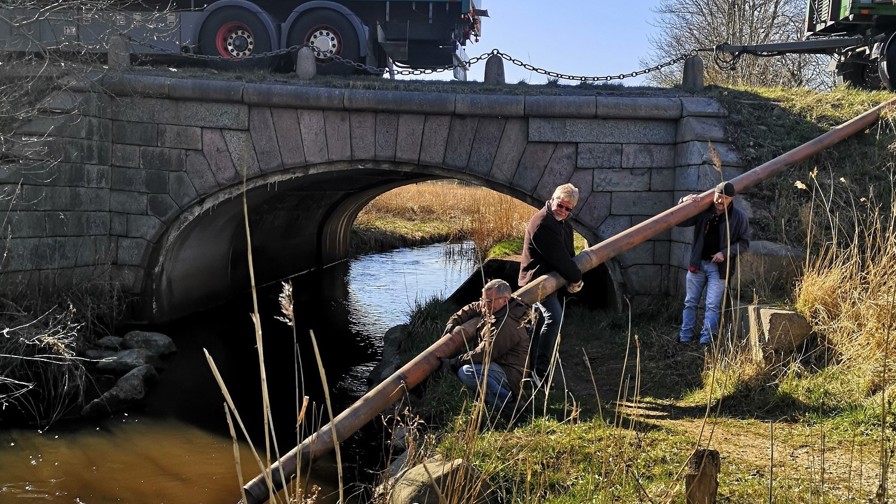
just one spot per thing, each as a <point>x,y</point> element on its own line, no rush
<point>688,198</point>
<point>575,287</point>
<point>718,258</point>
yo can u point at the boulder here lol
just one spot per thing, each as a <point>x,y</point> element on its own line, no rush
<point>128,390</point>
<point>125,360</point>
<point>98,353</point>
<point>776,333</point>
<point>458,481</point>
<point>157,343</point>
<point>110,343</point>
<point>389,362</point>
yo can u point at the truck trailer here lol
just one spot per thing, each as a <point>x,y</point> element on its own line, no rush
<point>421,35</point>
<point>859,34</point>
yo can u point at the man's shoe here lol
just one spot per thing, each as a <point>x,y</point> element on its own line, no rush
<point>537,378</point>
<point>685,340</point>
<point>705,341</point>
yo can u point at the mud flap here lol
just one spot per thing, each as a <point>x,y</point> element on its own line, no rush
<point>887,63</point>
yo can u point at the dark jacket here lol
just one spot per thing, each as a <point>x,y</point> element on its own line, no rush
<point>736,225</point>
<point>547,247</point>
<point>509,340</point>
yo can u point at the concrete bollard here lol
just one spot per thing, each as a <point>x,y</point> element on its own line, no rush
<point>494,71</point>
<point>306,66</point>
<point>119,53</point>
<point>692,78</point>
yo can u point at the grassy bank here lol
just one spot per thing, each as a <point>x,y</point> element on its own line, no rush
<point>629,404</point>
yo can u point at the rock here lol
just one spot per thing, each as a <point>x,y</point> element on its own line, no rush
<point>98,353</point>
<point>389,363</point>
<point>776,334</point>
<point>110,342</point>
<point>128,390</point>
<point>126,360</point>
<point>157,343</point>
<point>457,480</point>
<point>768,269</point>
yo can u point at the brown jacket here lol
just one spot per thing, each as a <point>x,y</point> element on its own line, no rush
<point>509,341</point>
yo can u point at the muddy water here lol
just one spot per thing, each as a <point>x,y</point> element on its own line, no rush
<point>176,447</point>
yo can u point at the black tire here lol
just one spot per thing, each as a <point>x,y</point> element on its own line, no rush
<point>887,64</point>
<point>235,34</point>
<point>852,73</point>
<point>332,34</point>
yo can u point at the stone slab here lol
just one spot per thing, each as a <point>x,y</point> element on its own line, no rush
<point>601,131</point>
<point>435,138</point>
<point>558,171</point>
<point>706,129</point>
<point>460,139</point>
<point>409,138</point>
<point>485,145</point>
<point>264,139</point>
<point>218,157</point>
<point>180,137</point>
<point>489,105</point>
<point>637,107</point>
<point>339,142</point>
<point>314,135</point>
<point>242,151</point>
<point>621,180</point>
<point>298,97</point>
<point>648,156</point>
<point>532,165</point>
<point>399,101</point>
<point>386,136</point>
<point>599,155</point>
<point>639,203</point>
<point>560,106</point>
<point>363,133</point>
<point>200,173</point>
<point>289,136</point>
<point>513,142</point>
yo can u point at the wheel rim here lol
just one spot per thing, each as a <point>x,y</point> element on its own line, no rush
<point>324,41</point>
<point>234,40</point>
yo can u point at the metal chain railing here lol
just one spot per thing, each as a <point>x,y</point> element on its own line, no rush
<point>425,71</point>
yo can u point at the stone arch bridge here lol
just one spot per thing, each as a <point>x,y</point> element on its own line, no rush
<point>136,181</point>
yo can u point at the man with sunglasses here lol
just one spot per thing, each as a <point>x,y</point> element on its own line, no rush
<point>548,247</point>
<point>721,232</point>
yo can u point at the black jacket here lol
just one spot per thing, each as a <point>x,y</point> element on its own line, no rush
<point>736,225</point>
<point>547,247</point>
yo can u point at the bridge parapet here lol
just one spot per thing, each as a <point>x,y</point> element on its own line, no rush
<point>132,180</point>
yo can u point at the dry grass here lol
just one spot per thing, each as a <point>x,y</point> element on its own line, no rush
<point>430,212</point>
<point>848,289</point>
<point>40,375</point>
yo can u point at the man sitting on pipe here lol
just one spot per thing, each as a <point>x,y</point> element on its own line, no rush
<point>496,324</point>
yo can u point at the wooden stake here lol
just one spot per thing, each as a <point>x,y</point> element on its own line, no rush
<point>702,479</point>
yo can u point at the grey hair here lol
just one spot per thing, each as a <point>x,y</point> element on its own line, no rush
<point>567,192</point>
<point>500,287</point>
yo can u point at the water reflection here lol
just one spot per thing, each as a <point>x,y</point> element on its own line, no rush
<point>177,447</point>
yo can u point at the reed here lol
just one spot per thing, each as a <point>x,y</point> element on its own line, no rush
<point>445,210</point>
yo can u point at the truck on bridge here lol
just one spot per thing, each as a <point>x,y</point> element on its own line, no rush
<point>860,33</point>
<point>421,35</point>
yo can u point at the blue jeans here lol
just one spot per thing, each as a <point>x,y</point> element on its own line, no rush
<point>544,341</point>
<point>496,390</point>
<point>706,276</point>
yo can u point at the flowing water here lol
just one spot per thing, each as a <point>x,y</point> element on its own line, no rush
<point>176,447</point>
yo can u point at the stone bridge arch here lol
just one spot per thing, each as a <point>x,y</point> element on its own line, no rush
<point>150,178</point>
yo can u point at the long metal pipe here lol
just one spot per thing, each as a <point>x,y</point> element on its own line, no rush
<point>411,374</point>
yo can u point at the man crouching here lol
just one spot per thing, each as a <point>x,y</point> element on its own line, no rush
<point>496,326</point>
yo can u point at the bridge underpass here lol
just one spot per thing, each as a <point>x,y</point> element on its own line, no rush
<point>149,178</point>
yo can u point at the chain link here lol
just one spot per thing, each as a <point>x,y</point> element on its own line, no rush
<point>426,71</point>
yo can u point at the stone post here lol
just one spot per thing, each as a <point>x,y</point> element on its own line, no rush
<point>702,477</point>
<point>119,54</point>
<point>692,78</point>
<point>494,71</point>
<point>306,66</point>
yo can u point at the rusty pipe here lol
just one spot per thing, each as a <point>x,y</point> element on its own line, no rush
<point>411,374</point>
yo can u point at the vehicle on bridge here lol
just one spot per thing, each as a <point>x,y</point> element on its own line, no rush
<point>421,35</point>
<point>860,33</point>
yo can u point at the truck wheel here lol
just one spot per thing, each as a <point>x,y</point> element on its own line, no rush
<point>329,34</point>
<point>852,73</point>
<point>887,63</point>
<point>235,34</point>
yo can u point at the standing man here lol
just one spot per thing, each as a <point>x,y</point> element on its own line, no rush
<point>547,247</point>
<point>497,323</point>
<point>720,234</point>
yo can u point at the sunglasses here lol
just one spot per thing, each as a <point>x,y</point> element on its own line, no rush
<point>561,206</point>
